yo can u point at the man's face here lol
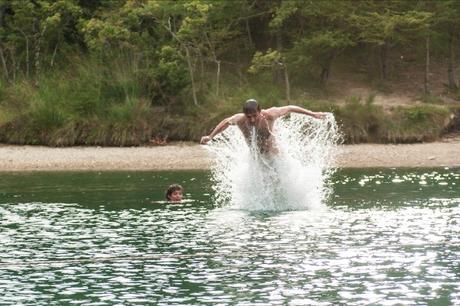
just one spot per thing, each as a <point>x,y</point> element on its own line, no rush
<point>252,117</point>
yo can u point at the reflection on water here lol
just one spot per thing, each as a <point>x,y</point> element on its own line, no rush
<point>385,239</point>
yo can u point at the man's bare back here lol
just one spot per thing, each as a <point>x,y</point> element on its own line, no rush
<point>260,122</point>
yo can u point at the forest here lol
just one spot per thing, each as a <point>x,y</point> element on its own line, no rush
<point>146,72</point>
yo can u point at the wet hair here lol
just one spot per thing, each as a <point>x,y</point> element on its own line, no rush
<point>171,189</point>
<point>251,106</point>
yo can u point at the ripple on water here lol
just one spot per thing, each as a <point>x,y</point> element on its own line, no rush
<point>402,250</point>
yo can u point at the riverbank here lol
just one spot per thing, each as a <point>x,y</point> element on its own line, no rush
<point>191,156</point>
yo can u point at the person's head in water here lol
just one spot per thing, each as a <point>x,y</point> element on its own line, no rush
<point>174,193</point>
<point>251,110</point>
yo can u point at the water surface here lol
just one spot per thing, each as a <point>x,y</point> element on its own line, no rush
<point>387,237</point>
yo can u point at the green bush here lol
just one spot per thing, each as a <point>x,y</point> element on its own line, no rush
<point>361,122</point>
<point>417,123</point>
<point>92,103</point>
<point>87,104</point>
<point>371,123</point>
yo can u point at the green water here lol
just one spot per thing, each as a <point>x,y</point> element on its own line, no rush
<point>387,237</point>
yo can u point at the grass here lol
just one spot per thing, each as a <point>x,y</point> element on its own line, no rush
<point>95,104</point>
<point>431,99</point>
<point>371,123</point>
<point>361,122</point>
<point>87,104</point>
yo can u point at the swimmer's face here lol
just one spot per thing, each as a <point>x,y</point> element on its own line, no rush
<point>252,117</point>
<point>176,196</point>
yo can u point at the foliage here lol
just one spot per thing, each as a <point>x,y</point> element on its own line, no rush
<point>271,58</point>
<point>366,122</point>
<point>171,72</point>
<point>121,72</point>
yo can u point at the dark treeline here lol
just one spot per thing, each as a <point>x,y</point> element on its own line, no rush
<point>126,72</point>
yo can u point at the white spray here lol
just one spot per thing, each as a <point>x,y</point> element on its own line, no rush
<point>294,179</point>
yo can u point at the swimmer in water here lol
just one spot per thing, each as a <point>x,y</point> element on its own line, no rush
<point>260,120</point>
<point>174,193</point>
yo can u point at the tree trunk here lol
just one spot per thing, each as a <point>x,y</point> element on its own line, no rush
<point>189,60</point>
<point>27,55</point>
<point>190,69</point>
<point>383,62</point>
<point>452,85</point>
<point>326,67</point>
<point>239,67</point>
<point>324,75</point>
<point>215,60</point>
<point>13,63</point>
<point>279,73</point>
<point>3,8</point>
<point>6,73</point>
<point>427,66</point>
<point>202,70</point>
<point>37,55</point>
<point>287,84</point>
<point>218,78</point>
<point>54,55</point>
<point>248,29</point>
<point>37,58</point>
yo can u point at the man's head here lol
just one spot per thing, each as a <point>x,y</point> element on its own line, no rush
<point>251,110</point>
<point>174,193</point>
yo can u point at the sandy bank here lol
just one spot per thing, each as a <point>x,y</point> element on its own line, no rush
<point>183,156</point>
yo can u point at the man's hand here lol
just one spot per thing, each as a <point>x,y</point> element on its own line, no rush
<point>205,139</point>
<point>319,115</point>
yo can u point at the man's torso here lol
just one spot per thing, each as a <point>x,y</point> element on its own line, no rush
<point>263,129</point>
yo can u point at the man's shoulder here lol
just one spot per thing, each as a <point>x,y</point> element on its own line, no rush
<point>236,118</point>
<point>270,112</point>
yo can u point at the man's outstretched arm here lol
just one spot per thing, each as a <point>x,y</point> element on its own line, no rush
<point>220,128</point>
<point>284,110</point>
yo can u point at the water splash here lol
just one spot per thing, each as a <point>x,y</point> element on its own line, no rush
<point>294,179</point>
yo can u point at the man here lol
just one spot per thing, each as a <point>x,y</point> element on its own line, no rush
<point>260,121</point>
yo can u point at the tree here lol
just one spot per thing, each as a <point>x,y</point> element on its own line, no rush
<point>447,24</point>
<point>321,33</point>
<point>385,24</point>
<point>272,59</point>
<point>37,27</point>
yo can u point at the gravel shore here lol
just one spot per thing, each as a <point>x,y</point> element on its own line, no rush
<point>190,156</point>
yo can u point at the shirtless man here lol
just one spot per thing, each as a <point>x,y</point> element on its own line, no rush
<point>263,121</point>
